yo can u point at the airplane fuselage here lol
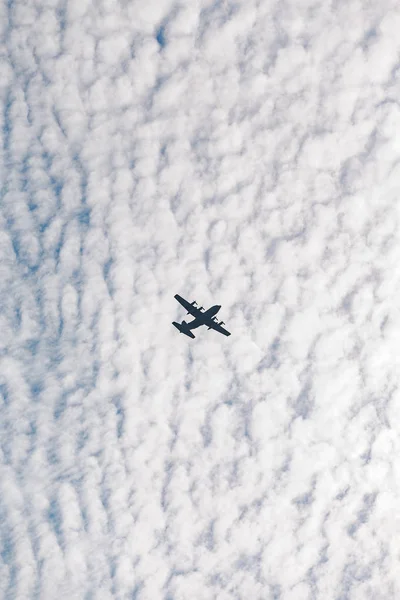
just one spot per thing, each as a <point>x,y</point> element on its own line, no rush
<point>204,317</point>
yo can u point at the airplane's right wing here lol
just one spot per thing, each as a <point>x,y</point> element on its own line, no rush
<point>195,312</point>
<point>217,327</point>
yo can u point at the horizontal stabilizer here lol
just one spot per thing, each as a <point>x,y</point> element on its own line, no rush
<point>183,328</point>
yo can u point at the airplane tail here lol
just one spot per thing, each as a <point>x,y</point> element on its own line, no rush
<point>182,328</point>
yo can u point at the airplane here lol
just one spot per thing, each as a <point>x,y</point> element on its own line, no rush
<point>201,317</point>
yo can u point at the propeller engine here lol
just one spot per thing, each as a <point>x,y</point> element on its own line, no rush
<point>217,322</point>
<point>193,304</point>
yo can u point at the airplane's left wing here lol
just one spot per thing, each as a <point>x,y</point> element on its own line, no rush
<point>217,327</point>
<point>189,307</point>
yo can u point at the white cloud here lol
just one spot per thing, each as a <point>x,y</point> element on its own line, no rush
<point>244,155</point>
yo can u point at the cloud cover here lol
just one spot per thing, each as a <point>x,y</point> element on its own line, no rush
<point>241,153</point>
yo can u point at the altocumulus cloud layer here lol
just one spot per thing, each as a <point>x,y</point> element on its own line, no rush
<point>238,153</point>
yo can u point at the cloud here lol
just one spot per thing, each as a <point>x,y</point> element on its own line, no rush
<point>242,155</point>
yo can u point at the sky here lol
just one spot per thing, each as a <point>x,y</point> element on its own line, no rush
<point>236,153</point>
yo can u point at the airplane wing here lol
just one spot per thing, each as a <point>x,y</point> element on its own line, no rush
<point>217,327</point>
<point>189,307</point>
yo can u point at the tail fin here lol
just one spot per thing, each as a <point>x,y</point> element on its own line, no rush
<point>182,328</point>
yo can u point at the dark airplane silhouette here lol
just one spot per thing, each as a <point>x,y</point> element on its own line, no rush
<point>201,317</point>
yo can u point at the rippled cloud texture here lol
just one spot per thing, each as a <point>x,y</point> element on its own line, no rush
<point>245,154</point>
